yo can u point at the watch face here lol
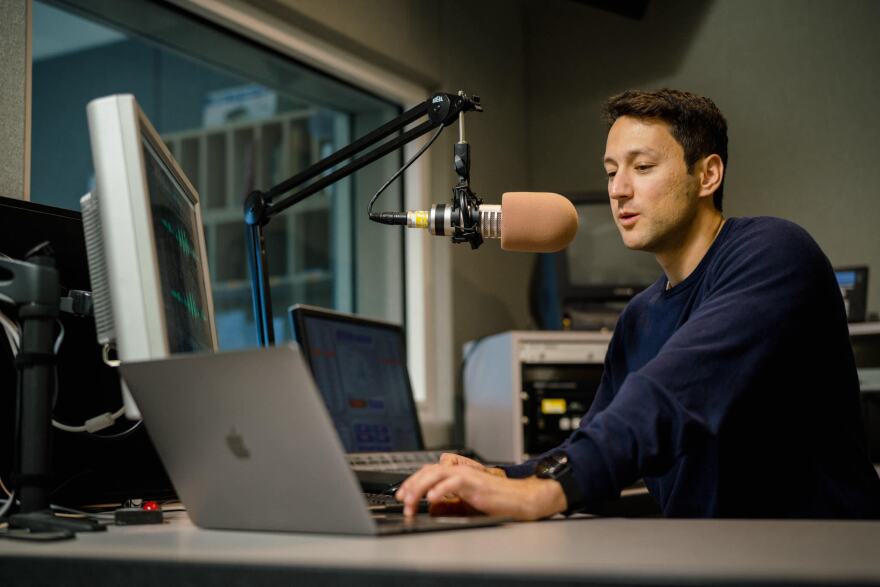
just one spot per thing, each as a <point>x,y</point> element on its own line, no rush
<point>552,466</point>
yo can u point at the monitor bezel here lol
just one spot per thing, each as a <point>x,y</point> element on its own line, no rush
<point>116,127</point>
<point>298,313</point>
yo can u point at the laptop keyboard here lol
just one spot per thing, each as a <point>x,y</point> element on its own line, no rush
<point>407,462</point>
<point>386,504</point>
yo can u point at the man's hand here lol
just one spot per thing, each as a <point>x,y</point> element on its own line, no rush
<point>482,489</point>
<point>452,459</point>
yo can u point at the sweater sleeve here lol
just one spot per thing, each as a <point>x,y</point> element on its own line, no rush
<point>760,289</point>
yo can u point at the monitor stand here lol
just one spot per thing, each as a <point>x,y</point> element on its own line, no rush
<point>35,290</point>
<point>47,522</point>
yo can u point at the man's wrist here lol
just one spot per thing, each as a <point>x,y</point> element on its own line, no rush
<point>557,467</point>
<point>549,498</point>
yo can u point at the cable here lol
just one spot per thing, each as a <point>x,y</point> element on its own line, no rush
<point>4,488</point>
<point>402,169</point>
<point>7,505</point>
<point>122,434</point>
<point>99,516</point>
<point>92,425</point>
<point>60,337</point>
<point>13,332</point>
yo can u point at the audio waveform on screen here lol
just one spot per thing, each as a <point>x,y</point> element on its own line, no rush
<point>182,239</point>
<point>189,302</point>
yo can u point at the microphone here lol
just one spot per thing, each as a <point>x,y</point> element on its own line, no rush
<point>529,222</point>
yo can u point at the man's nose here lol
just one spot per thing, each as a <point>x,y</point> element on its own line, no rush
<point>619,186</point>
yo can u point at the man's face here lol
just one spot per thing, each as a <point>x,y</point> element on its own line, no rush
<point>653,198</point>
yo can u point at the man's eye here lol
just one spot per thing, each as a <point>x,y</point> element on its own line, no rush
<point>643,168</point>
<point>611,174</point>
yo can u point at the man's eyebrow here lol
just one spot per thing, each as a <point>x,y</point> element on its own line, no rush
<point>629,155</point>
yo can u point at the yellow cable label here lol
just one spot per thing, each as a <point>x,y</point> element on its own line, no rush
<point>419,219</point>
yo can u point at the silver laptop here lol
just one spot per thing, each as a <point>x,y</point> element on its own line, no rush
<point>359,365</point>
<point>248,444</point>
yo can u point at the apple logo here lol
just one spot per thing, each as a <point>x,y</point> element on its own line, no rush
<point>235,442</point>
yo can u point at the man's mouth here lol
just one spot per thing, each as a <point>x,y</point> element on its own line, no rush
<point>627,219</point>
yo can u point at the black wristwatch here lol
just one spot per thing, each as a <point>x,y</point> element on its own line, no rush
<point>558,467</point>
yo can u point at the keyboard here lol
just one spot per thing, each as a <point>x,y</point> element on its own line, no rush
<point>406,462</point>
<point>380,499</point>
<point>384,503</point>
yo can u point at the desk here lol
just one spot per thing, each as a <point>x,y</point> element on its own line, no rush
<point>580,551</point>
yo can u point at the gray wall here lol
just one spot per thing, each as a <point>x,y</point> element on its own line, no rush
<point>15,56</point>
<point>797,80</point>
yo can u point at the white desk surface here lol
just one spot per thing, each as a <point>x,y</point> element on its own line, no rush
<point>582,550</point>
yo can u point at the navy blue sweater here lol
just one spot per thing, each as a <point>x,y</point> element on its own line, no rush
<point>735,393</point>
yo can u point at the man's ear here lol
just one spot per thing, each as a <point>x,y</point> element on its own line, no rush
<point>711,172</point>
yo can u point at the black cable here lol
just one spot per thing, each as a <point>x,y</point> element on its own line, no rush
<point>399,171</point>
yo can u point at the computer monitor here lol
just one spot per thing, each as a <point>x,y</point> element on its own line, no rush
<point>853,283</point>
<point>586,285</point>
<point>145,243</point>
<point>359,364</point>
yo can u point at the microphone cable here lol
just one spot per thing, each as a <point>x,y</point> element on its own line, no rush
<point>398,217</point>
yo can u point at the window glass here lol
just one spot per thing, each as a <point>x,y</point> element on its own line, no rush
<point>237,117</point>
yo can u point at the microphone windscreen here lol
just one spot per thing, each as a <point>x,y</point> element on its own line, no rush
<point>537,222</point>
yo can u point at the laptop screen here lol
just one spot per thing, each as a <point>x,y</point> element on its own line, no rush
<point>359,365</point>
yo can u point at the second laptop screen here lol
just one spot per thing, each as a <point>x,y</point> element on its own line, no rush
<point>361,372</point>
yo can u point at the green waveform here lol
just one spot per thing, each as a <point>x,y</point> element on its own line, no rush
<point>182,241</point>
<point>189,302</point>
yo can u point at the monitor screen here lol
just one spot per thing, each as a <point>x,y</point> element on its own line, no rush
<point>175,230</point>
<point>598,257</point>
<point>846,279</point>
<point>146,247</point>
<point>360,368</point>
<point>853,283</point>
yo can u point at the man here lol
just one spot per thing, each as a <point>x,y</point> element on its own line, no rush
<point>729,385</point>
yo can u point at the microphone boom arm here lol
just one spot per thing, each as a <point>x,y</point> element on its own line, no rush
<point>261,206</point>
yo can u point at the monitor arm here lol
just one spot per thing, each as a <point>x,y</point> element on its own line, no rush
<point>33,286</point>
<point>260,207</point>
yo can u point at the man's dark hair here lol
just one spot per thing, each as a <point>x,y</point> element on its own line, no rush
<point>694,121</point>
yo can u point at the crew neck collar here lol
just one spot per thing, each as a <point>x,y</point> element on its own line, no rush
<point>701,266</point>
